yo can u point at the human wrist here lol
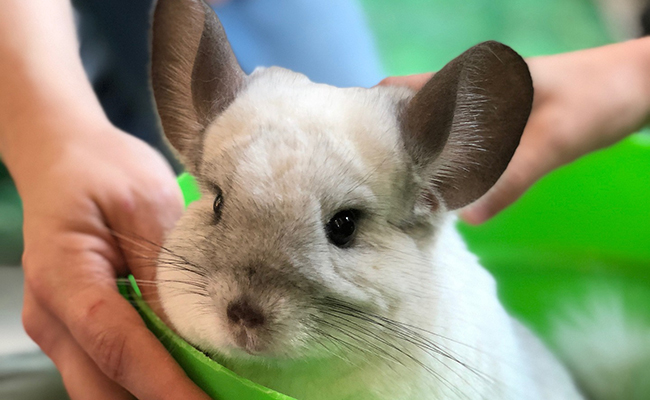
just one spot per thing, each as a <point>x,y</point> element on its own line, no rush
<point>41,75</point>
<point>40,106</point>
<point>630,83</point>
<point>36,140</point>
<point>28,96</point>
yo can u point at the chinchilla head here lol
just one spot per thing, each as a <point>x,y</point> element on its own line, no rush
<point>316,201</point>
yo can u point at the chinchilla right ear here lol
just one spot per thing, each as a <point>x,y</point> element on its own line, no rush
<point>462,128</point>
<point>194,73</point>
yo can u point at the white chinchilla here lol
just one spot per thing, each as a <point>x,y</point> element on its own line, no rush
<point>322,259</point>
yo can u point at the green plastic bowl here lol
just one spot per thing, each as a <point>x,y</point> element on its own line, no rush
<point>582,227</point>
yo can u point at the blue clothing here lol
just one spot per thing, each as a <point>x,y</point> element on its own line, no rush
<point>327,40</point>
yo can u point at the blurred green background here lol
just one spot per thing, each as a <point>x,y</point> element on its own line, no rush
<point>423,35</point>
<point>11,243</point>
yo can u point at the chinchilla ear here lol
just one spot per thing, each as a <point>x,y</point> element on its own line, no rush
<point>463,126</point>
<point>194,73</point>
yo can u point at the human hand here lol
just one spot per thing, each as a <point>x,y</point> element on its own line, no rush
<point>81,180</point>
<point>584,101</point>
<point>217,2</point>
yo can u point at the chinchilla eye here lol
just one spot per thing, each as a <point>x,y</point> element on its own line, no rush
<point>218,202</point>
<point>342,228</point>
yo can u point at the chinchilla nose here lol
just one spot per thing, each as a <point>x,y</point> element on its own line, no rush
<point>241,312</point>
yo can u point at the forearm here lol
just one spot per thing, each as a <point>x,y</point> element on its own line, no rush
<point>41,75</point>
<point>633,60</point>
<point>608,89</point>
<point>628,64</point>
<point>644,63</point>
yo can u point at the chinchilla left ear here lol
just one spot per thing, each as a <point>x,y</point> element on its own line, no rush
<point>194,73</point>
<point>462,128</point>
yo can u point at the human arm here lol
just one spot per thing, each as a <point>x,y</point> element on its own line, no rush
<point>80,178</point>
<point>584,101</point>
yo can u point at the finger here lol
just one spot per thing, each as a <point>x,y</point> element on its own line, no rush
<point>505,192</point>
<point>145,223</point>
<point>532,160</point>
<point>413,81</point>
<point>81,377</point>
<point>112,333</point>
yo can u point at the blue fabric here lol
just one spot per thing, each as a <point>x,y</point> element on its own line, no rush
<point>327,40</point>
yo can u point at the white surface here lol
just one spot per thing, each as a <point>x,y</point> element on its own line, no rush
<point>25,372</point>
<point>13,339</point>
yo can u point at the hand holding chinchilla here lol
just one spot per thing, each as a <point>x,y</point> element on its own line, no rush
<point>571,115</point>
<point>322,259</point>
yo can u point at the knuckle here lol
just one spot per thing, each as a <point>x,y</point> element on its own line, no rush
<point>516,179</point>
<point>32,324</point>
<point>110,354</point>
<point>127,203</point>
<point>102,333</point>
<point>37,283</point>
<point>556,130</point>
<point>133,203</point>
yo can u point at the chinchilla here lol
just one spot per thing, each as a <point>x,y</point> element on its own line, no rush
<point>322,259</point>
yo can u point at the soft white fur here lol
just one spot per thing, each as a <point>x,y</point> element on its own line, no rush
<point>288,154</point>
<point>606,347</point>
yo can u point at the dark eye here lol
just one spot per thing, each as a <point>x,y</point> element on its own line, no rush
<point>218,201</point>
<point>342,228</point>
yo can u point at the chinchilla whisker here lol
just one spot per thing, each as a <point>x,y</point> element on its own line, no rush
<point>409,332</point>
<point>136,240</point>
<point>202,284</point>
<point>181,281</point>
<point>157,246</point>
<point>401,331</point>
<point>415,339</point>
<point>177,263</point>
<point>178,256</point>
<point>335,342</point>
<point>183,267</point>
<point>320,343</point>
<point>366,346</point>
<point>169,282</point>
<point>399,326</point>
<point>174,265</point>
<point>164,257</point>
<point>171,285</point>
<point>431,349</point>
<point>351,328</point>
<point>180,285</point>
<point>386,341</point>
<point>181,292</point>
<point>351,345</point>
